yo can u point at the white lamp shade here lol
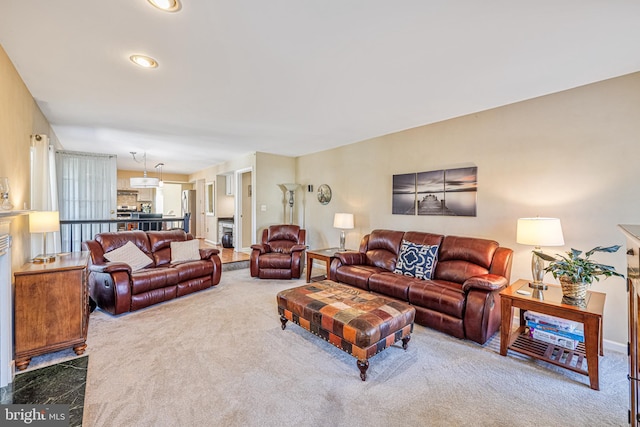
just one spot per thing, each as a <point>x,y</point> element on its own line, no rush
<point>44,222</point>
<point>289,187</point>
<point>143,182</point>
<point>539,232</point>
<point>343,221</point>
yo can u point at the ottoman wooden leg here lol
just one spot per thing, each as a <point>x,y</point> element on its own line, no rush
<point>405,341</point>
<point>363,365</point>
<point>284,322</point>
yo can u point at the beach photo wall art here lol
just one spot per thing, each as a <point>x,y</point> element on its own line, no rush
<point>448,192</point>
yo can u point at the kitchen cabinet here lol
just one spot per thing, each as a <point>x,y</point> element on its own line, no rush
<point>229,185</point>
<point>145,194</point>
<point>51,307</point>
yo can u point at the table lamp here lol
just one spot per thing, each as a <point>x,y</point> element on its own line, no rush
<point>539,232</point>
<point>343,221</point>
<point>44,222</point>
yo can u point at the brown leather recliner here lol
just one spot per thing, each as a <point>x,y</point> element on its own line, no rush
<point>281,253</point>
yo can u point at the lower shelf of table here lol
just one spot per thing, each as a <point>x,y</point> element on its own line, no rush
<point>574,360</point>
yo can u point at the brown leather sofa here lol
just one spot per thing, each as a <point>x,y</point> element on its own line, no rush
<point>116,289</point>
<point>281,253</point>
<point>462,297</point>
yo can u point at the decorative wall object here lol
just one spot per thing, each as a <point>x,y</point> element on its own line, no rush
<point>404,194</point>
<point>324,194</point>
<point>448,192</point>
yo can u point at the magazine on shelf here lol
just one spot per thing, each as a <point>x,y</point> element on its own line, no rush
<point>577,335</point>
<point>555,322</point>
<point>554,339</point>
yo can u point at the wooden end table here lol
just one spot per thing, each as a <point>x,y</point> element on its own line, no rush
<point>51,307</point>
<point>326,255</point>
<point>590,314</point>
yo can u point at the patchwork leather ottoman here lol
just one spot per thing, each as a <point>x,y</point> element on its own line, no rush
<point>356,321</point>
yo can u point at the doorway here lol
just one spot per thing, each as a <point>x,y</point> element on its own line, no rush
<point>245,207</point>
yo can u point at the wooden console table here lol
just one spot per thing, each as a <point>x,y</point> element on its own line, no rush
<point>51,307</point>
<point>590,315</point>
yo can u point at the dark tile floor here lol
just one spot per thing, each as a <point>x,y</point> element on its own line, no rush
<point>62,383</point>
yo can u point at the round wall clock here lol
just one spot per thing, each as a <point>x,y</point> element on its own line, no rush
<point>324,194</point>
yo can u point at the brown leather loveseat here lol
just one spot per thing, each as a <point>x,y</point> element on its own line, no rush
<point>117,289</point>
<point>461,297</point>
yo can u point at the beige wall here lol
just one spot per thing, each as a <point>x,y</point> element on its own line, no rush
<point>272,170</point>
<point>20,118</point>
<point>571,155</point>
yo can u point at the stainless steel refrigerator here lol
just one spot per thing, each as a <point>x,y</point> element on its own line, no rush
<point>189,207</point>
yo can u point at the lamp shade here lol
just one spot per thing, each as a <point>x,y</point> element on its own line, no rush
<point>539,232</point>
<point>144,182</point>
<point>343,221</point>
<point>44,222</point>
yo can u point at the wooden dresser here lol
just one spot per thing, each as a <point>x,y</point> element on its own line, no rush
<point>51,305</point>
<point>632,233</point>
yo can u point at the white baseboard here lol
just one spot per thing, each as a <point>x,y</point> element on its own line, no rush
<point>618,347</point>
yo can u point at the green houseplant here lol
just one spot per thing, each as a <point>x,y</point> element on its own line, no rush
<point>576,272</point>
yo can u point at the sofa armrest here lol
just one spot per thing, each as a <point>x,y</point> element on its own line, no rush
<point>207,253</point>
<point>351,258</point>
<point>298,248</point>
<point>261,248</point>
<point>110,267</point>
<point>488,282</point>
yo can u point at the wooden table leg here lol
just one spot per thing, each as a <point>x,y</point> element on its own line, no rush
<point>506,308</point>
<point>592,347</point>
<point>309,267</point>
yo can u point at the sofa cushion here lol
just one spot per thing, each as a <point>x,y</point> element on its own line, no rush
<point>129,254</point>
<point>416,260</point>
<point>357,275</point>
<point>274,260</point>
<point>188,250</point>
<point>438,296</point>
<point>390,284</point>
<point>149,279</point>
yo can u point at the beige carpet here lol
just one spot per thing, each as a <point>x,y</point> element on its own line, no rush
<point>220,358</point>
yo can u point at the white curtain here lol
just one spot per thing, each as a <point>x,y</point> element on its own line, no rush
<point>88,189</point>
<point>44,190</point>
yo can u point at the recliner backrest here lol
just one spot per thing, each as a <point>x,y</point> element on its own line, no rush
<point>462,257</point>
<point>382,248</point>
<point>281,238</point>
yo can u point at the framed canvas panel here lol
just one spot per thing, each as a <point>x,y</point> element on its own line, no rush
<point>430,191</point>
<point>404,194</point>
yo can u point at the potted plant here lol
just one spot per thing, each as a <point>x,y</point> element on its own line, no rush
<point>577,272</point>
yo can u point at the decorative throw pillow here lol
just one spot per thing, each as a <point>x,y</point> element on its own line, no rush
<point>129,254</point>
<point>185,251</point>
<point>416,260</point>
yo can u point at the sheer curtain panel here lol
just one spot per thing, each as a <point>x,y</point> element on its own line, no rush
<point>44,190</point>
<point>87,184</point>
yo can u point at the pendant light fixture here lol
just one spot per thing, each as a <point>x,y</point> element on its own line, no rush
<point>142,181</point>
<point>160,165</point>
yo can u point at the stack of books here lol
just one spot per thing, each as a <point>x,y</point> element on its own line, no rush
<point>554,330</point>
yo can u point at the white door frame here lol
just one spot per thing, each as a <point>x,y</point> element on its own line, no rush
<point>237,235</point>
<point>200,214</point>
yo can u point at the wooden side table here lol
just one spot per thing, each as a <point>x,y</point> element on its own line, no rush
<point>325,255</point>
<point>51,307</point>
<point>590,315</point>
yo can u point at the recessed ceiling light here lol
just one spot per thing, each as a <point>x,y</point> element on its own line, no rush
<point>144,61</point>
<point>166,5</point>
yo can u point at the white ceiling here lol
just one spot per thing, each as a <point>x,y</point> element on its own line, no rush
<point>293,77</point>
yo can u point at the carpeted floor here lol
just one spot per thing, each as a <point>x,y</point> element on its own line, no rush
<point>220,358</point>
